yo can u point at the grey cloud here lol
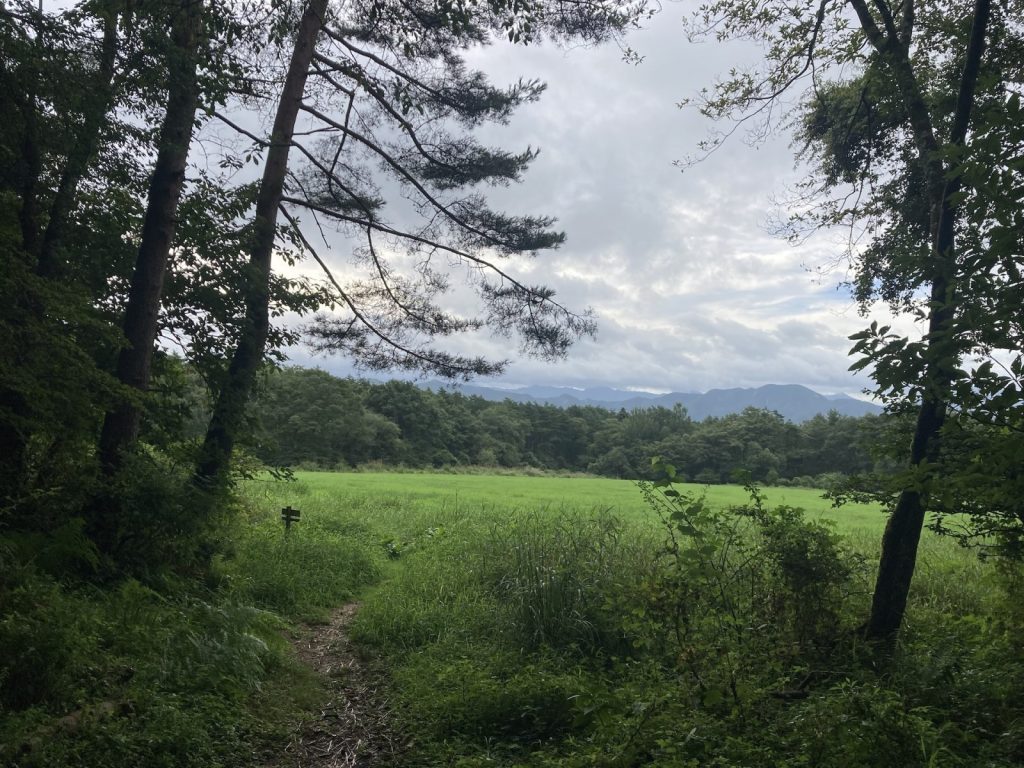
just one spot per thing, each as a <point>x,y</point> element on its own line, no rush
<point>690,289</point>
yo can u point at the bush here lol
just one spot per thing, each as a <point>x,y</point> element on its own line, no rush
<point>152,522</point>
<point>745,596</point>
<point>809,575</point>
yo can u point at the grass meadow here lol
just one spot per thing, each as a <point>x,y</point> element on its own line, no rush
<point>489,493</point>
<point>403,502</point>
<point>522,622</point>
<point>544,621</point>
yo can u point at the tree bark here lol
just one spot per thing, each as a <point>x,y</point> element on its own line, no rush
<point>43,250</point>
<point>86,142</point>
<point>903,530</point>
<point>215,457</point>
<point>121,425</point>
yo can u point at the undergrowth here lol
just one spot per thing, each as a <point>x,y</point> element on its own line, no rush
<point>536,638</point>
<point>188,669</point>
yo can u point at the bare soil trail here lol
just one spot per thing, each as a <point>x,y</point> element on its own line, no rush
<point>354,728</point>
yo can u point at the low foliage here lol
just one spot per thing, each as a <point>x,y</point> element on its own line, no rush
<point>189,669</point>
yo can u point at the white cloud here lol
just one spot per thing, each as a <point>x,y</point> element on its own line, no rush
<point>691,290</point>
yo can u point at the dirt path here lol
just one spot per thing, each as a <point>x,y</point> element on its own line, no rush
<point>354,726</point>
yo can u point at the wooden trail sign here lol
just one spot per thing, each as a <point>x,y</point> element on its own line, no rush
<point>289,516</point>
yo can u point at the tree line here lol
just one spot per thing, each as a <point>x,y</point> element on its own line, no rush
<point>309,418</point>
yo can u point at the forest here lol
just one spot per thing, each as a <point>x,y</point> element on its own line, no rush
<point>308,418</point>
<point>556,587</point>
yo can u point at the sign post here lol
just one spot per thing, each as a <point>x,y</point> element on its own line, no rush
<point>289,516</point>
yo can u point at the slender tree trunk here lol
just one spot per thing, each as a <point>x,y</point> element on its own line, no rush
<point>14,441</point>
<point>82,153</point>
<point>12,449</point>
<point>234,394</point>
<point>121,425</point>
<point>31,165</point>
<point>903,530</point>
<point>30,160</point>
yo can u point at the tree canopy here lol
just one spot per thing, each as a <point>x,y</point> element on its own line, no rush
<point>309,418</point>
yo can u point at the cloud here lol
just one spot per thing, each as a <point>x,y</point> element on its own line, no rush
<point>691,289</point>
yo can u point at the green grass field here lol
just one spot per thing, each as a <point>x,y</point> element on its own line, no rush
<point>462,493</point>
<point>533,622</point>
<point>401,506</point>
<point>385,510</point>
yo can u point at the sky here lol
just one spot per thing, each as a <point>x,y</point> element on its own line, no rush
<point>690,287</point>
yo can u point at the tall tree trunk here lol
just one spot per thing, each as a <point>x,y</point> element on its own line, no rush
<point>31,160</point>
<point>229,410</point>
<point>82,152</point>
<point>121,425</point>
<point>31,169</point>
<point>903,530</point>
<point>14,440</point>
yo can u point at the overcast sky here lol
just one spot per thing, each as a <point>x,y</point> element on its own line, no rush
<point>690,288</point>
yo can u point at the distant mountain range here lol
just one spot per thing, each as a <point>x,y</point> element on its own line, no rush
<point>796,403</point>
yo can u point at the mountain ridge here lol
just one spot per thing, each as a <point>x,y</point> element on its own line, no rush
<point>794,402</point>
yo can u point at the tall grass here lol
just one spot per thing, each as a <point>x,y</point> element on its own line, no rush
<point>182,672</point>
<point>318,565</point>
<point>130,676</point>
<point>557,576</point>
<point>545,637</point>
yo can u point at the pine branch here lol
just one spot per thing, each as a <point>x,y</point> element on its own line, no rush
<point>440,363</point>
<point>403,173</point>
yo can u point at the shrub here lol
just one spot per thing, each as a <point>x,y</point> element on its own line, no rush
<point>746,597</point>
<point>151,521</point>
